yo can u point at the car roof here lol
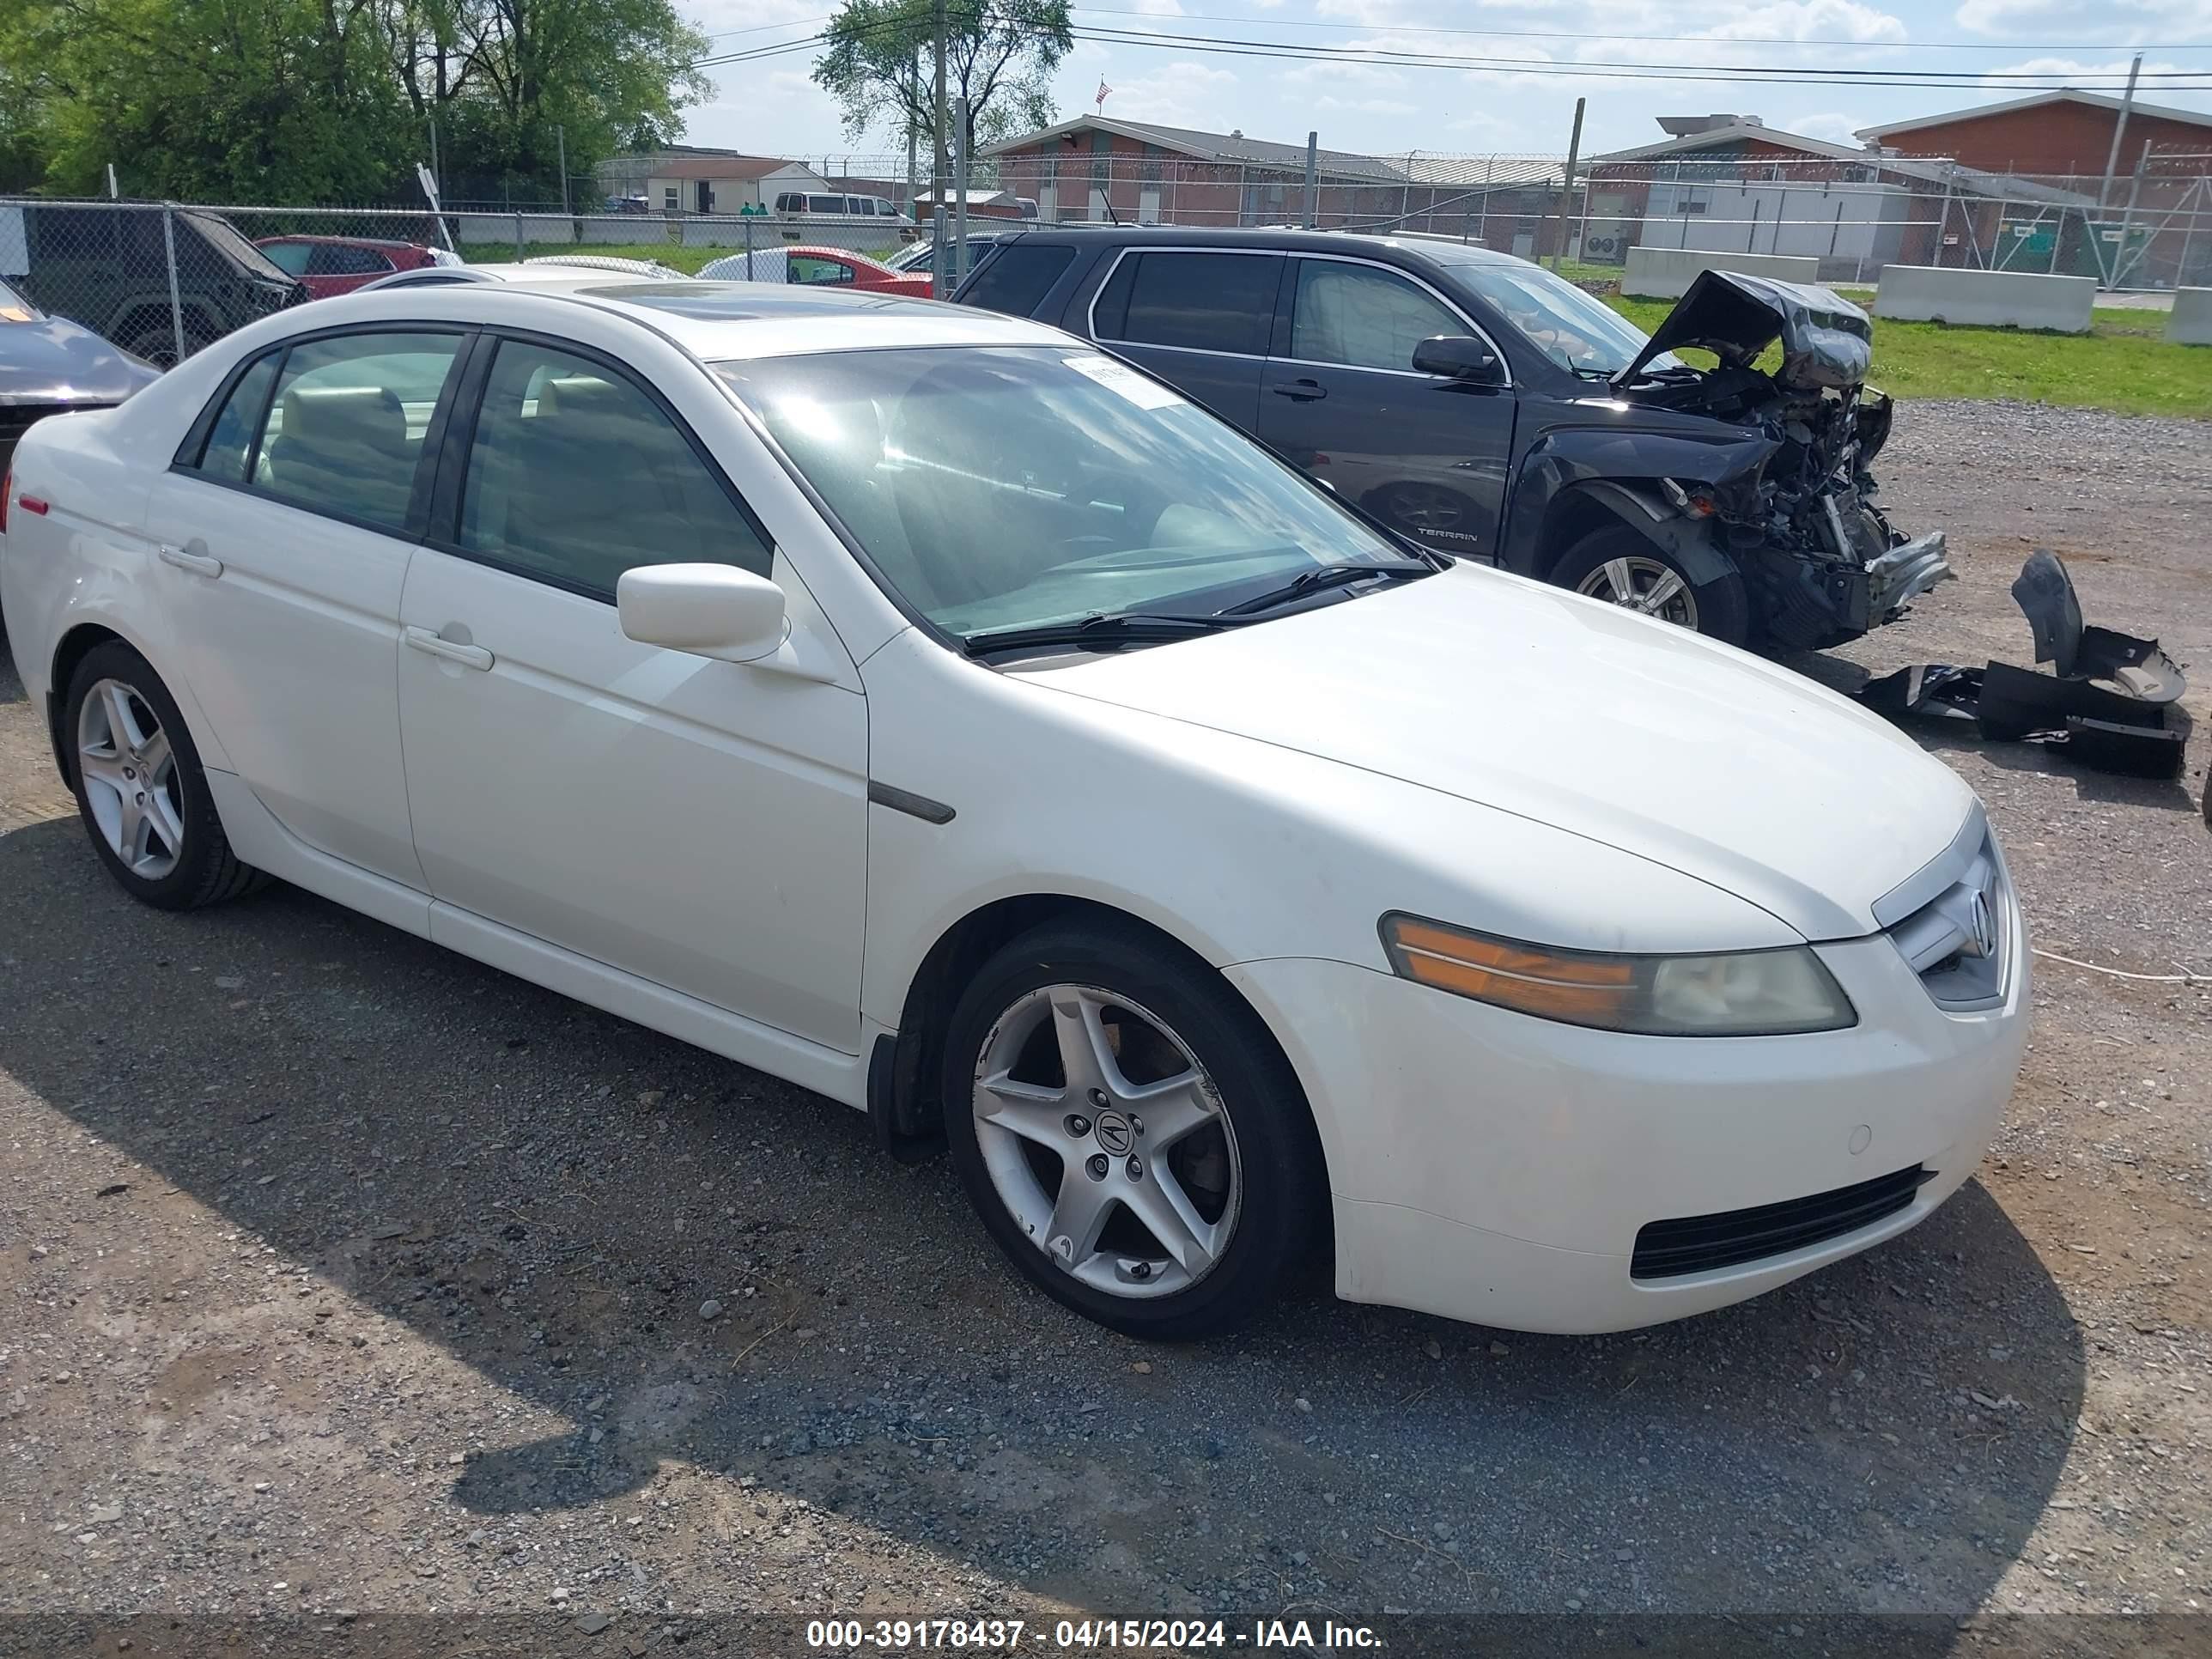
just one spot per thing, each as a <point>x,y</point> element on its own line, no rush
<point>550,278</point>
<point>342,241</point>
<point>723,322</point>
<point>1288,238</point>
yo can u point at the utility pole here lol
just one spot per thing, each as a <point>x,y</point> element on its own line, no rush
<point>940,269</point>
<point>1313,179</point>
<point>959,195</point>
<point>2120,131</point>
<point>561,143</point>
<point>1567,185</point>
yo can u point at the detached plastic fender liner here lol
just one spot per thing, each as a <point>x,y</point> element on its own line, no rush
<point>1684,539</point>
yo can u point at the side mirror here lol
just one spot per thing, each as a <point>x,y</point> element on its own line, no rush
<point>1459,357</point>
<point>707,610</point>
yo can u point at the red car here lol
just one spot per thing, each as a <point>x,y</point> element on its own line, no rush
<point>339,264</point>
<point>826,267</point>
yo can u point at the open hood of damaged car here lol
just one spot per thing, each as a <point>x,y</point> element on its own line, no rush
<point>1826,341</point>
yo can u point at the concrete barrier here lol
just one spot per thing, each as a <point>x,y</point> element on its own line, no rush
<point>2191,321</point>
<point>1666,273</point>
<point>490,227</point>
<point>1985,299</point>
<point>625,231</point>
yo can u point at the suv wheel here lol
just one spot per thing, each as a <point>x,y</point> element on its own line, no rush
<point>158,345</point>
<point>1622,567</point>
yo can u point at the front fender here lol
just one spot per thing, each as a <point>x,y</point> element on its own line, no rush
<point>1629,459</point>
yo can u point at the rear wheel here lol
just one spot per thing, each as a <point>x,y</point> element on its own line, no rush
<point>140,787</point>
<point>1129,1135</point>
<point>157,344</point>
<point>1619,566</point>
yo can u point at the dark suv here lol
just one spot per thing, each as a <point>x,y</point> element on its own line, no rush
<point>106,265</point>
<point>1485,407</point>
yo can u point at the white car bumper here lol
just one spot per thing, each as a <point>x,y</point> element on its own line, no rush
<point>1495,1167</point>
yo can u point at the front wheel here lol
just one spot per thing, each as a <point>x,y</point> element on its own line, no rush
<point>1129,1134</point>
<point>1619,566</point>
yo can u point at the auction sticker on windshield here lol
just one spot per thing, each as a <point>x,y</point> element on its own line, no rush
<point>1120,377</point>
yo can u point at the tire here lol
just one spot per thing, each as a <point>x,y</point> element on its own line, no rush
<point>1241,1182</point>
<point>1718,609</point>
<point>166,848</point>
<point>158,346</point>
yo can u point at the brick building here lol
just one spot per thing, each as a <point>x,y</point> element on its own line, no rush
<point>1098,167</point>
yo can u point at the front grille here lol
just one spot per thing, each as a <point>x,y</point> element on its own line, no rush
<point>1700,1243</point>
<point>1958,943</point>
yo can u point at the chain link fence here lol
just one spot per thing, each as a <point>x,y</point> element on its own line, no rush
<point>164,279</point>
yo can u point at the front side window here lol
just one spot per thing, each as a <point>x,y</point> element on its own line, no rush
<point>344,431</point>
<point>575,475</point>
<point>1362,317</point>
<point>1197,301</point>
<point>1012,487</point>
<point>290,258</point>
<point>808,268</point>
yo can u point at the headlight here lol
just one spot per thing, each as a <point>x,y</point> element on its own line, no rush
<point>1743,994</point>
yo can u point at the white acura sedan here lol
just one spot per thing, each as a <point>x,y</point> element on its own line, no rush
<point>915,704</point>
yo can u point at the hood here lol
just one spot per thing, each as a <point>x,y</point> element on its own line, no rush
<point>1533,701</point>
<point>1826,341</point>
<point>51,360</point>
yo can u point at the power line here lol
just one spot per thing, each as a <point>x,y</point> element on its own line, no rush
<point>2191,79</point>
<point>1571,35</point>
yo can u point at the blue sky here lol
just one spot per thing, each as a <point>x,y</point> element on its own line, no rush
<point>771,108</point>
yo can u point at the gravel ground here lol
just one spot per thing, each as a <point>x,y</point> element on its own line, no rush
<point>343,1277</point>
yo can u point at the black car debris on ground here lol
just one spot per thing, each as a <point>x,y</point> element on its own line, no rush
<point>49,366</point>
<point>1484,407</point>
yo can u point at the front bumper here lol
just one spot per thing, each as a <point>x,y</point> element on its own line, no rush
<point>1491,1167</point>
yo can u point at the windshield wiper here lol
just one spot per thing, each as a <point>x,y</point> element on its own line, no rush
<point>1324,576</point>
<point>1100,631</point>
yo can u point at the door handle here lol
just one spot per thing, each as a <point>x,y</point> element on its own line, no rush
<point>1305,391</point>
<point>200,564</point>
<point>469,656</point>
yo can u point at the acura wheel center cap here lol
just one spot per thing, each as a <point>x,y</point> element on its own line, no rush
<point>1115,1134</point>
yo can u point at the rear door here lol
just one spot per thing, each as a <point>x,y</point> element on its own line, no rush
<point>1198,319</point>
<point>1340,397</point>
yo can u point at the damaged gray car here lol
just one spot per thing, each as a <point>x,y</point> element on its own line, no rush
<point>1480,405</point>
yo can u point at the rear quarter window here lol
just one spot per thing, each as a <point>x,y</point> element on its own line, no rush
<point>1017,276</point>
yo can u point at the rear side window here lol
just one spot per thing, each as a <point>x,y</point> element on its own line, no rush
<point>231,437</point>
<point>575,475</point>
<point>1017,281</point>
<point>1198,301</point>
<point>335,260</point>
<point>790,202</point>
<point>290,258</point>
<point>345,430</point>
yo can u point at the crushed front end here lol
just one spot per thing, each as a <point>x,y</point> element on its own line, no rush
<point>1820,561</point>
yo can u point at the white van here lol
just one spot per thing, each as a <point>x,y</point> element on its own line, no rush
<point>800,210</point>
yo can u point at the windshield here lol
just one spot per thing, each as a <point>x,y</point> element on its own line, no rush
<point>14,308</point>
<point>226,235</point>
<point>1575,330</point>
<point>1014,487</point>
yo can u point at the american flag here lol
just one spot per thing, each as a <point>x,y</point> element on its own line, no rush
<point>1103,90</point>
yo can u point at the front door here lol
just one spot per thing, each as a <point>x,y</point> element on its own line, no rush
<point>699,824</point>
<point>1341,398</point>
<point>290,534</point>
<point>1197,319</point>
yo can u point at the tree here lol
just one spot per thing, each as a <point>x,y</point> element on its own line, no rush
<point>998,54</point>
<point>329,101</point>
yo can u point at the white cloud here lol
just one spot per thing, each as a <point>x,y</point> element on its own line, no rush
<point>1180,94</point>
<point>2124,22</point>
<point>1159,8</point>
<point>1833,125</point>
<point>1368,106</point>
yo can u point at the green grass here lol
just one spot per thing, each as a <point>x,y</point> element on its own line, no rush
<point>2121,364</point>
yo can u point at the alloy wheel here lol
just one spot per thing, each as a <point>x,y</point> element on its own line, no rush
<point>1646,585</point>
<point>1107,1141</point>
<point>127,771</point>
